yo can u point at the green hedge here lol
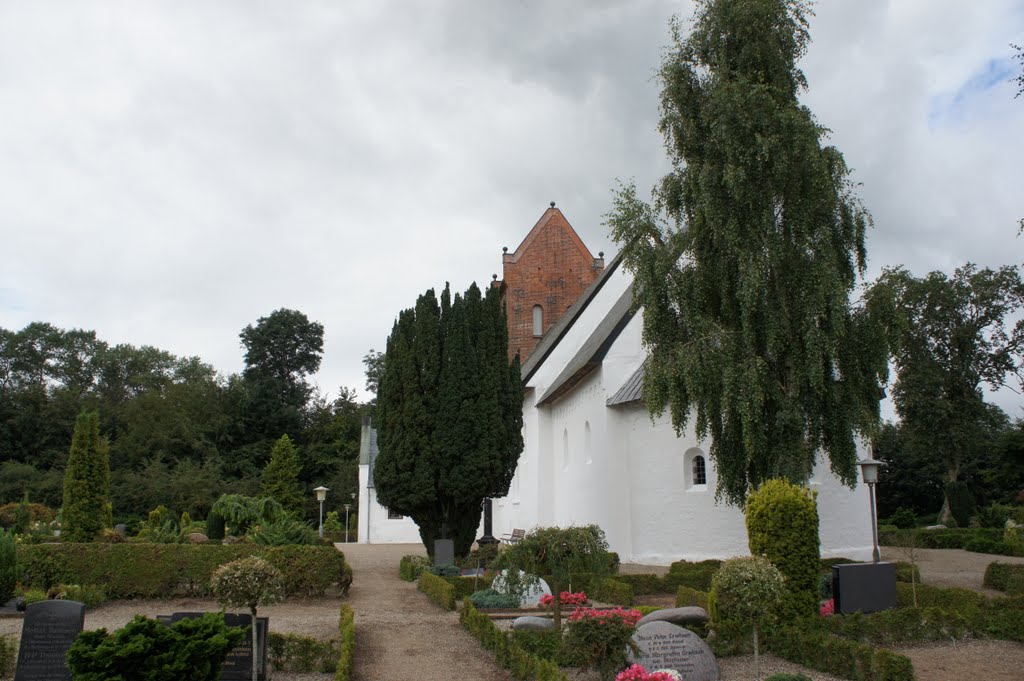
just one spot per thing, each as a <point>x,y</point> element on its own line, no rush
<point>694,575</point>
<point>644,584</point>
<point>686,596</point>
<point>347,632</point>
<point>905,572</point>
<point>1006,577</point>
<point>437,589</point>
<point>509,654</point>
<point>992,547</point>
<point>410,567</point>
<point>7,654</point>
<point>467,586</point>
<point>611,590</point>
<point>951,538</point>
<point>839,656</point>
<point>297,653</point>
<point>952,599</point>
<point>165,570</point>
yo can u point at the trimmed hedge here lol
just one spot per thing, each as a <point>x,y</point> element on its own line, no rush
<point>992,547</point>
<point>347,632</point>
<point>437,589</point>
<point>686,596</point>
<point>644,584</point>
<point>467,586</point>
<point>410,567</point>
<point>7,654</point>
<point>950,538</point>
<point>611,590</point>
<point>297,653</point>
<point>164,570</point>
<point>839,656</point>
<point>694,575</point>
<point>509,654</point>
<point>952,599</point>
<point>1006,577</point>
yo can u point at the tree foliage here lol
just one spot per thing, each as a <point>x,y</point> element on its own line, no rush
<point>248,582</point>
<point>86,509</point>
<point>449,414</point>
<point>953,338</point>
<point>745,262</point>
<point>281,476</point>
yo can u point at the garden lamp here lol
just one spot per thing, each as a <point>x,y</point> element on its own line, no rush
<point>321,494</point>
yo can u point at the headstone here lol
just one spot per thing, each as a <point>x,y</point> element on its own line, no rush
<point>238,664</point>
<point>121,529</point>
<point>530,598</point>
<point>531,623</point>
<point>667,646</point>
<point>687,615</point>
<point>444,552</point>
<point>49,629</point>
<point>864,587</point>
<point>197,538</point>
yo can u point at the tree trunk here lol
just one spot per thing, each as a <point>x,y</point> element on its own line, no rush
<point>952,473</point>
<point>255,649</point>
<point>556,603</point>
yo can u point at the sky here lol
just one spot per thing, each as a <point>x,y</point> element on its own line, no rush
<point>173,171</point>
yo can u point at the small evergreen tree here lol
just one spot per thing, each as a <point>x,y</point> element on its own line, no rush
<point>248,582</point>
<point>747,590</point>
<point>782,526</point>
<point>281,476</point>
<point>86,506</point>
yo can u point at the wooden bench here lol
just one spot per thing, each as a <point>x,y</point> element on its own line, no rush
<point>514,537</point>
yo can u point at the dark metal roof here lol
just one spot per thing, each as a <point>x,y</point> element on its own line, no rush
<point>592,352</point>
<point>632,390</point>
<point>558,331</point>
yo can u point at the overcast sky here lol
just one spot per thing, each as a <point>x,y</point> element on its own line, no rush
<point>172,171</point>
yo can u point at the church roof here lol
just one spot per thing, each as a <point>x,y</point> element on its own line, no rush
<point>558,331</point>
<point>632,390</point>
<point>592,352</point>
<point>539,228</point>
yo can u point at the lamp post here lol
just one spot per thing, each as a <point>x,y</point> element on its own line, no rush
<point>348,506</point>
<point>321,494</point>
<point>869,469</point>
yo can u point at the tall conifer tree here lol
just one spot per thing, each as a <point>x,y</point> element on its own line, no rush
<point>449,414</point>
<point>746,261</point>
<point>280,480</point>
<point>86,506</point>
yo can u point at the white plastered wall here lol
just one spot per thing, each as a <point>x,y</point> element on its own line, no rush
<point>374,525</point>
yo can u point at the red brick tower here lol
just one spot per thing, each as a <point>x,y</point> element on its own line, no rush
<point>542,278</point>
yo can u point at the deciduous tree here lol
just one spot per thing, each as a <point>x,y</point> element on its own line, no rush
<point>746,261</point>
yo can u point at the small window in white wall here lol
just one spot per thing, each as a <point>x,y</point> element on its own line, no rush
<point>392,515</point>
<point>565,450</point>
<point>538,320</point>
<point>588,452</point>
<point>696,470</point>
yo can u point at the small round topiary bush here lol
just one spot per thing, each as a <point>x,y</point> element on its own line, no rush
<point>746,593</point>
<point>248,582</point>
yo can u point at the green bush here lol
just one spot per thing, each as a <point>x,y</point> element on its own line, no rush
<point>437,589</point>
<point>997,575</point>
<point>489,598</point>
<point>8,565</point>
<point>86,497</point>
<point>215,525</point>
<point>7,654</point>
<point>995,548</point>
<point>600,641</point>
<point>994,515</point>
<point>296,653</point>
<point>410,567</point>
<point>446,570</point>
<point>466,586</point>
<point>838,656</point>
<point>611,590</point>
<point>165,570</point>
<point>903,518</point>
<point>686,596</point>
<point>38,513</point>
<point>694,575</point>
<point>745,595</point>
<point>146,649</point>
<point>332,523</point>
<point>546,645</point>
<point>522,664</point>
<point>905,572</point>
<point>88,595</point>
<point>951,538</point>
<point>644,584</point>
<point>782,525</point>
<point>347,645</point>
<point>286,531</point>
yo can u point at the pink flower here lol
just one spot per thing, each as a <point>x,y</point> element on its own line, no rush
<point>827,607</point>
<point>567,598</point>
<point>638,673</point>
<point>630,617</point>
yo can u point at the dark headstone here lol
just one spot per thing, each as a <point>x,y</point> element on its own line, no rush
<point>49,629</point>
<point>667,646</point>
<point>238,664</point>
<point>687,615</point>
<point>444,552</point>
<point>864,587</point>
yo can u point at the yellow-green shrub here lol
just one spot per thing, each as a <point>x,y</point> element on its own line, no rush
<point>686,596</point>
<point>347,631</point>
<point>508,653</point>
<point>437,589</point>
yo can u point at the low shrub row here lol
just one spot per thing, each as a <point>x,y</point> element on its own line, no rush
<point>611,590</point>
<point>951,538</point>
<point>7,654</point>
<point>1005,577</point>
<point>686,596</point>
<point>694,575</point>
<point>509,654</point>
<point>951,599</point>
<point>437,589</point>
<point>410,567</point>
<point>347,645</point>
<point>163,570</point>
<point>839,656</point>
<point>466,586</point>
<point>993,547</point>
<point>297,653</point>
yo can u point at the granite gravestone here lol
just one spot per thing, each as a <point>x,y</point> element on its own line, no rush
<point>667,646</point>
<point>444,552</point>
<point>49,629</point>
<point>238,663</point>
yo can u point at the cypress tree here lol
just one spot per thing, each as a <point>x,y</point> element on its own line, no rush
<point>86,504</point>
<point>450,414</point>
<point>280,480</point>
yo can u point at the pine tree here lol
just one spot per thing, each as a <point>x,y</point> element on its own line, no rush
<point>280,480</point>
<point>450,414</point>
<point>746,261</point>
<point>86,506</point>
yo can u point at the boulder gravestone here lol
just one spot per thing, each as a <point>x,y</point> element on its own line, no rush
<point>667,646</point>
<point>530,597</point>
<point>49,629</point>
<point>238,663</point>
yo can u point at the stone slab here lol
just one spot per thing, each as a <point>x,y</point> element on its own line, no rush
<point>687,615</point>
<point>48,630</point>
<point>664,645</point>
<point>530,597</point>
<point>532,623</point>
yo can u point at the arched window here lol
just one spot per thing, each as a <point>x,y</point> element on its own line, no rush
<point>565,450</point>
<point>588,452</point>
<point>695,470</point>
<point>538,320</point>
<point>700,473</point>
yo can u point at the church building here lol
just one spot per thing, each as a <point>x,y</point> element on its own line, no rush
<point>592,453</point>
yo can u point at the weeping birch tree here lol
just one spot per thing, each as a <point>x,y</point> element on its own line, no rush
<point>747,258</point>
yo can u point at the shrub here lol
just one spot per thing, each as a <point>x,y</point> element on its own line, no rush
<point>997,575</point>
<point>280,479</point>
<point>611,590</point>
<point>248,582</point>
<point>447,570</point>
<point>38,513</point>
<point>838,656</point>
<point>88,595</point>
<point>241,512</point>
<point>466,586</point>
<point>746,591</point>
<point>522,664</point>
<point>86,499</point>
<point>214,525</point>
<point>286,531</point>
<point>296,653</point>
<point>410,567</point>
<point>994,515</point>
<point>546,645</point>
<point>686,596</point>
<point>146,649</point>
<point>489,598</point>
<point>906,572</point>
<point>782,525</point>
<point>694,575</point>
<point>643,584</point>
<point>347,632</point>
<point>600,639</point>
<point>480,556</point>
<point>8,565</point>
<point>995,548</point>
<point>567,598</point>
<point>437,589</point>
<point>332,523</point>
<point>7,653</point>
<point>903,518</point>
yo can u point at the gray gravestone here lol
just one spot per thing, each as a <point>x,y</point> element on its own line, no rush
<point>444,552</point>
<point>238,663</point>
<point>530,597</point>
<point>666,646</point>
<point>531,623</point>
<point>49,629</point>
<point>864,587</point>
<point>690,614</point>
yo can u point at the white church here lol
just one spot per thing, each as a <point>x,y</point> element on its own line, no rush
<point>592,454</point>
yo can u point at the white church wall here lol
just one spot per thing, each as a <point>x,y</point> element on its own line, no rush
<point>375,527</point>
